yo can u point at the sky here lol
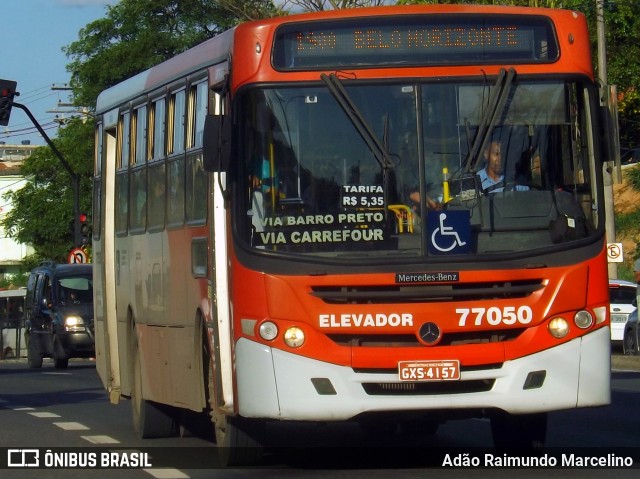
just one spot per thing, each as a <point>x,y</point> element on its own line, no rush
<point>33,34</point>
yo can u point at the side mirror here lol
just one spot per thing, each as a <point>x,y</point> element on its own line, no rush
<point>216,144</point>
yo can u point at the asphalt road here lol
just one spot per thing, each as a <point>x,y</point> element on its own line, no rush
<point>52,409</point>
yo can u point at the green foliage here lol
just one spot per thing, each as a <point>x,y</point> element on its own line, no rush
<point>244,10</point>
<point>320,5</point>
<point>632,175</point>
<point>135,35</point>
<point>14,281</point>
<point>627,223</point>
<point>521,3</point>
<point>42,212</point>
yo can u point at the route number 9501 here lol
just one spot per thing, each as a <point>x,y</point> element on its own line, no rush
<point>494,316</point>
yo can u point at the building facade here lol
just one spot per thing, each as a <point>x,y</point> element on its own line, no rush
<point>12,253</point>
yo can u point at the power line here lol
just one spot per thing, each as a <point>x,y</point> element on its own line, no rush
<point>45,92</point>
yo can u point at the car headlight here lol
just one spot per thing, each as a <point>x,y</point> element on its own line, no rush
<point>73,323</point>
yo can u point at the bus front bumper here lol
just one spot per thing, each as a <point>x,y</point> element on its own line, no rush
<point>279,385</point>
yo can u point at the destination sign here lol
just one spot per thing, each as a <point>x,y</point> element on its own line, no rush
<point>414,40</point>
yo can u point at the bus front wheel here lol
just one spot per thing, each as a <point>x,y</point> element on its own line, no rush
<point>237,439</point>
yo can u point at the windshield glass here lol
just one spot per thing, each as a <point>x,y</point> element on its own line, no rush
<point>464,169</point>
<point>75,290</point>
<point>622,295</point>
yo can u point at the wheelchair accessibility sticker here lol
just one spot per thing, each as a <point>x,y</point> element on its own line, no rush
<point>449,232</point>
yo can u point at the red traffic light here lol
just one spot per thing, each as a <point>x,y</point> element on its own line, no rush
<point>8,88</point>
<point>83,217</point>
<point>7,92</point>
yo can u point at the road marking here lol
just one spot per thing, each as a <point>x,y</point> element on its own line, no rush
<point>71,426</point>
<point>166,473</point>
<point>23,408</point>
<point>100,439</point>
<point>43,414</point>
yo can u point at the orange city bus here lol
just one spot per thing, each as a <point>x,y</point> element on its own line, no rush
<point>391,215</point>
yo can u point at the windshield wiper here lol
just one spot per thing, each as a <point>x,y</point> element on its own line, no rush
<point>497,101</point>
<point>346,103</point>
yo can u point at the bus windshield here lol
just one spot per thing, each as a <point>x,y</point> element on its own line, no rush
<point>514,157</point>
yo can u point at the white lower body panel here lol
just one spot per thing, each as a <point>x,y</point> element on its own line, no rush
<point>276,384</point>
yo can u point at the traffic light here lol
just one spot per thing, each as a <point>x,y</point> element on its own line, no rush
<point>84,230</point>
<point>7,92</point>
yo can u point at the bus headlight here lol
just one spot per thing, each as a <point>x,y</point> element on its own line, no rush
<point>583,319</point>
<point>73,323</point>
<point>268,331</point>
<point>294,337</point>
<point>558,327</point>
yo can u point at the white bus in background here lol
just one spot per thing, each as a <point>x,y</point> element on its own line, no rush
<point>12,322</point>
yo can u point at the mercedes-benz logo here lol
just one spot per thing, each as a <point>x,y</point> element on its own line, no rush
<point>430,333</point>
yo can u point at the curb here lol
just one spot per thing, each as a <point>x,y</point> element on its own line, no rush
<point>626,363</point>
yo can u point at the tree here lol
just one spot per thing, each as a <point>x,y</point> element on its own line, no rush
<point>133,36</point>
<point>137,34</point>
<point>245,10</point>
<point>42,213</point>
<point>320,5</point>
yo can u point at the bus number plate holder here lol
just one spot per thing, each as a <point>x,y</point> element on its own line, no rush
<point>418,371</point>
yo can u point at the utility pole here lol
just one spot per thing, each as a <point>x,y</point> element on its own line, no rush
<point>610,225</point>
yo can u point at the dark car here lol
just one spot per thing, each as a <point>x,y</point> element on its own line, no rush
<point>630,342</point>
<point>59,313</point>
<point>630,157</point>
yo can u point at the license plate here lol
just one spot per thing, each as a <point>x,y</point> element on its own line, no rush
<point>618,318</point>
<point>415,371</point>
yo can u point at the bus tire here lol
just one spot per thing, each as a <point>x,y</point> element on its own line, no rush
<point>60,358</point>
<point>237,439</point>
<point>519,431</point>
<point>150,420</point>
<point>34,356</point>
